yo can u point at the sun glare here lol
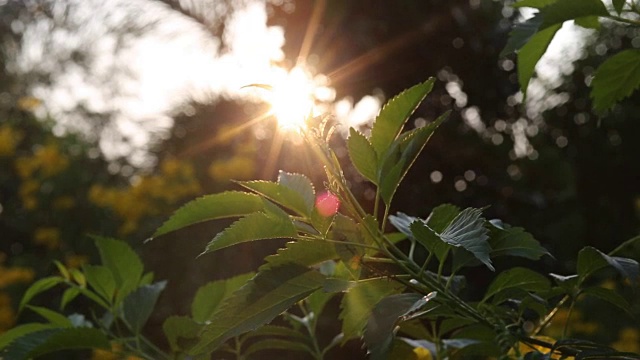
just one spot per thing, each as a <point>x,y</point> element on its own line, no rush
<point>292,99</point>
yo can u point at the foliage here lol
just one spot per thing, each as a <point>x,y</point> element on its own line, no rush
<point>615,79</point>
<point>403,293</point>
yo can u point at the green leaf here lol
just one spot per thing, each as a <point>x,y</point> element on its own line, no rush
<point>363,155</point>
<point>281,194</point>
<point>300,184</point>
<point>618,5</point>
<point>68,296</point>
<point>398,160</point>
<point>588,22</point>
<point>139,304</point>
<point>395,113</point>
<point>123,262</point>
<point>591,260</point>
<point>209,297</point>
<point>101,280</point>
<point>179,330</point>
<point>305,253</point>
<point>430,240</point>
<point>358,303</point>
<point>53,317</point>
<point>531,52</point>
<point>256,226</point>
<point>467,231</point>
<point>346,229</point>
<point>277,344</point>
<point>211,207</point>
<point>515,241</point>
<point>609,296</point>
<point>39,286</point>
<point>517,278</point>
<point>563,10</point>
<point>537,4</point>
<point>567,283</point>
<point>267,295</point>
<point>275,330</point>
<point>521,34</point>
<point>46,341</point>
<point>19,331</point>
<point>616,79</point>
<point>379,332</point>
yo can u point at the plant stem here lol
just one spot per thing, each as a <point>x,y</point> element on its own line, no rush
<point>566,324</point>
<point>624,20</point>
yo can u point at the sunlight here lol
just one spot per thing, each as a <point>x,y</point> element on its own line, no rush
<point>292,99</point>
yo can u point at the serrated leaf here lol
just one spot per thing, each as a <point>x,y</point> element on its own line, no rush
<point>358,303</point>
<point>609,296</point>
<point>563,10</point>
<point>301,185</point>
<point>409,145</point>
<point>519,278</point>
<point>277,344</point>
<point>306,253</point>
<point>53,317</point>
<point>138,305</point>
<point>37,287</point>
<point>588,22</point>
<point>210,297</point>
<point>521,34</point>
<point>281,194</point>
<point>531,52</point>
<point>428,238</point>
<point>363,155</point>
<point>267,295</point>
<point>256,226</point>
<point>467,231</point>
<point>21,330</point>
<point>101,279</point>
<point>275,330</point>
<point>618,5</point>
<point>179,330</point>
<point>515,241</point>
<point>617,78</point>
<point>536,4</point>
<point>46,341</point>
<point>395,113</point>
<point>347,230</point>
<point>211,207</point>
<point>379,332</point>
<point>591,260</point>
<point>123,262</point>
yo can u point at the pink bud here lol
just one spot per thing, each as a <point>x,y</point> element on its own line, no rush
<point>327,204</point>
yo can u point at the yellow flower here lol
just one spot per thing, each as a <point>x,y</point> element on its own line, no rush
<point>170,167</point>
<point>15,275</point>
<point>115,353</point>
<point>51,161</point>
<point>628,340</point>
<point>28,103</point>
<point>28,193</point>
<point>7,315</point>
<point>74,261</point>
<point>26,166</point>
<point>48,237</point>
<point>422,354</point>
<point>63,202</point>
<point>9,140</point>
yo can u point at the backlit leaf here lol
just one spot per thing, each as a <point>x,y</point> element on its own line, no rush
<point>363,155</point>
<point>39,286</point>
<point>395,113</point>
<point>209,297</point>
<point>537,4</point>
<point>35,344</point>
<point>138,305</point>
<point>358,303</point>
<point>53,317</point>
<point>122,261</point>
<point>211,207</point>
<point>101,279</point>
<point>257,226</point>
<point>267,295</point>
<point>521,33</point>
<point>515,241</point>
<point>531,52</point>
<point>616,79</point>
<point>517,278</point>
<point>301,185</point>
<point>618,5</point>
<point>563,10</point>
<point>281,194</point>
<point>306,253</point>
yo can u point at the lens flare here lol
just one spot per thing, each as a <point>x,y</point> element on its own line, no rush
<point>292,99</point>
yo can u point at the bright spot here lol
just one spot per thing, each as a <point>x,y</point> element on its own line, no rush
<point>327,204</point>
<point>292,99</point>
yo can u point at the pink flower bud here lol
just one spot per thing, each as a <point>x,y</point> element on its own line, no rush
<point>327,204</point>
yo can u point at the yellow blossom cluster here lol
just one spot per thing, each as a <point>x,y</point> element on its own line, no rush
<point>10,276</point>
<point>576,324</point>
<point>240,166</point>
<point>9,140</point>
<point>628,340</point>
<point>148,195</point>
<point>114,354</point>
<point>48,237</point>
<point>75,261</point>
<point>45,162</point>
